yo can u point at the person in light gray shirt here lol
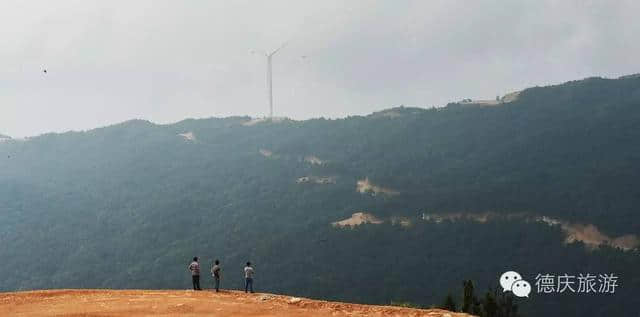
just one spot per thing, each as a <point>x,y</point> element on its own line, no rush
<point>248,278</point>
<point>215,272</point>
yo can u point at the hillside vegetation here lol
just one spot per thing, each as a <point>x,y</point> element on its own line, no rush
<point>127,206</point>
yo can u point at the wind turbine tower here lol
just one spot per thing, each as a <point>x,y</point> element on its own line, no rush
<point>269,57</point>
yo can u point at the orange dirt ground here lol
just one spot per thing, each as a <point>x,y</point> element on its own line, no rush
<point>187,303</point>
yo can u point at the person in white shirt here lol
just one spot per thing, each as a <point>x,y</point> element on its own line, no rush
<point>248,278</point>
<point>194,268</point>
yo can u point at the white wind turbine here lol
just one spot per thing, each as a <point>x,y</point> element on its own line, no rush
<point>269,57</point>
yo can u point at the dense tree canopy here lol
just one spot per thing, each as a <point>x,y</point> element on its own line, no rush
<point>127,206</point>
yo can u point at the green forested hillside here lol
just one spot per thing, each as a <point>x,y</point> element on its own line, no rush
<point>127,206</point>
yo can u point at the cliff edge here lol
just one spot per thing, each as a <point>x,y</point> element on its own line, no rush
<point>188,303</point>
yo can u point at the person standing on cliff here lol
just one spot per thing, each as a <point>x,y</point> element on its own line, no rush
<point>248,278</point>
<point>215,271</point>
<point>194,268</point>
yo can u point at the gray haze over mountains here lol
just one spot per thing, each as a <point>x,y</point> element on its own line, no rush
<point>110,61</point>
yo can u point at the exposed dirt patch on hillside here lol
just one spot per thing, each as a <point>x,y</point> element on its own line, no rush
<point>588,234</point>
<point>591,236</point>
<point>265,153</point>
<point>188,136</point>
<point>316,180</point>
<point>361,218</point>
<point>403,221</point>
<point>357,219</point>
<point>364,186</point>
<point>187,303</point>
<point>314,160</point>
<point>510,97</point>
<point>255,121</point>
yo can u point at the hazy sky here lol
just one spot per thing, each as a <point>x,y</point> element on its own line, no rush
<point>111,61</point>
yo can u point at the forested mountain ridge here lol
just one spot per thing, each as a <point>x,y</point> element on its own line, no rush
<point>127,205</point>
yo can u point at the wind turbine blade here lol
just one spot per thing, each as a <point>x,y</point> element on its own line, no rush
<point>279,48</point>
<point>255,51</point>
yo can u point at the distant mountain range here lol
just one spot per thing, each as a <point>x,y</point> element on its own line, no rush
<point>386,207</point>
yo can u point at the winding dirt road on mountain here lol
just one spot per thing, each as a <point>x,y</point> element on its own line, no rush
<point>76,303</point>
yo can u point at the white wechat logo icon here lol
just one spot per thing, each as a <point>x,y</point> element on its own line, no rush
<point>512,281</point>
<point>507,279</point>
<point>521,288</point>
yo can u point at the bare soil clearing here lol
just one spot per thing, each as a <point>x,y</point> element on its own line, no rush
<point>187,303</point>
